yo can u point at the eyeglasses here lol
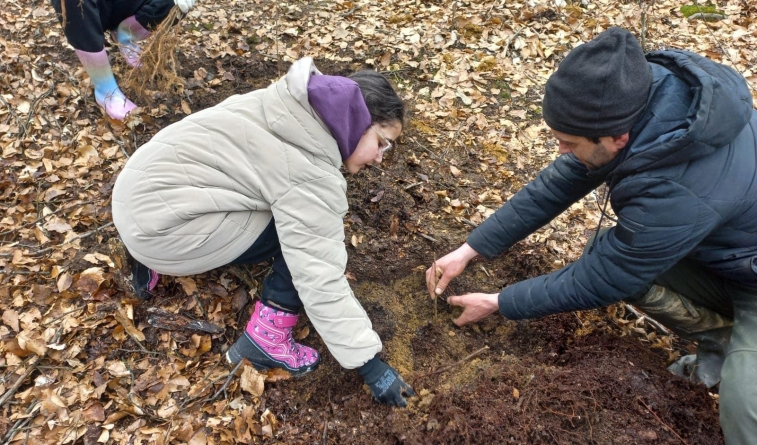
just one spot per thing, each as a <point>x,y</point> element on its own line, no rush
<point>388,142</point>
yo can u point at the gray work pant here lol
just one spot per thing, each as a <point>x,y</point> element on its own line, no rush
<point>738,386</point>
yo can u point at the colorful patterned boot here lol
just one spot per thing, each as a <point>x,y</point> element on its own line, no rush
<point>107,93</point>
<point>267,343</point>
<point>128,33</point>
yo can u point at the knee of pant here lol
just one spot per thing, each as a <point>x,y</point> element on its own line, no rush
<point>738,392</point>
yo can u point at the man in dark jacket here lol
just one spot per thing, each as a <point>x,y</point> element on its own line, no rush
<point>674,136</point>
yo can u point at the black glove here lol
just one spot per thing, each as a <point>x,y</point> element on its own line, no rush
<point>385,382</point>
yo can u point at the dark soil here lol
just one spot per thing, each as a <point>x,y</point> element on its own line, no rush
<point>565,379</point>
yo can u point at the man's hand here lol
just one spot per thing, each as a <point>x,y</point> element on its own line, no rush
<point>447,268</point>
<point>184,5</point>
<point>475,307</point>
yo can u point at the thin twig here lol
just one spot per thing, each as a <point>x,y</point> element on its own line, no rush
<point>325,427</point>
<point>33,109</point>
<point>189,401</point>
<point>469,222</point>
<point>660,420</point>
<point>408,187</point>
<point>45,216</point>
<point>29,369</point>
<point>651,321</point>
<point>643,25</point>
<point>12,113</point>
<point>222,389</point>
<point>720,44</point>
<point>435,283</point>
<point>23,272</point>
<point>12,390</point>
<point>448,367</point>
<point>423,235</point>
<point>49,322</point>
<point>510,41</point>
<point>40,252</point>
<point>20,424</point>
<point>350,12</point>
<point>434,155</point>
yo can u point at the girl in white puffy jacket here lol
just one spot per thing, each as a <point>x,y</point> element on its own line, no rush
<point>257,177</point>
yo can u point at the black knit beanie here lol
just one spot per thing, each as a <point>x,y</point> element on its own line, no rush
<point>600,88</point>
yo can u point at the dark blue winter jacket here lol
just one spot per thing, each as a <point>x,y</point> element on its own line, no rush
<point>685,186</point>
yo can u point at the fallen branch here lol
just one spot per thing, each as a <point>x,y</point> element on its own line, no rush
<point>707,16</point>
<point>448,367</point>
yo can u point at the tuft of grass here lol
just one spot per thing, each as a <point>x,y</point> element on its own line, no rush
<point>505,93</point>
<point>689,10</point>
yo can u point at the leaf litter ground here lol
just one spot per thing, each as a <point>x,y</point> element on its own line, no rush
<point>118,371</point>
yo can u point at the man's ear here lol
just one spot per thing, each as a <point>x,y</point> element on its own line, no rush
<point>618,142</point>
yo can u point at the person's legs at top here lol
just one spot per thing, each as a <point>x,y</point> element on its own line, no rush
<point>82,22</point>
<point>135,20</point>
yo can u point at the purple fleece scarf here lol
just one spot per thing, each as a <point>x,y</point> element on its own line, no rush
<point>340,104</point>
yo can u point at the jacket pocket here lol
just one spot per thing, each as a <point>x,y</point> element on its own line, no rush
<point>626,231</point>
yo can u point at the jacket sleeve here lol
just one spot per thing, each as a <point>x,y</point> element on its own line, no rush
<point>658,224</point>
<point>311,231</point>
<point>557,187</point>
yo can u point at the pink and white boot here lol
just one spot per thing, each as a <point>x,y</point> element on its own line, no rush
<point>267,343</point>
<point>128,33</point>
<point>107,93</point>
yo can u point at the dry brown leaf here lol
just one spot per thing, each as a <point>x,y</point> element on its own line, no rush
<point>94,412</point>
<point>10,319</point>
<point>252,381</point>
<point>188,284</point>
<point>277,374</point>
<point>123,318</point>
<point>64,282</point>
<point>302,333</point>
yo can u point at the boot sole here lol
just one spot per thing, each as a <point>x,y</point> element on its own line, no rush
<point>263,362</point>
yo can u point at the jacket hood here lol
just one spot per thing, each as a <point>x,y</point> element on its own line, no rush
<point>340,104</point>
<point>695,106</point>
<point>290,116</point>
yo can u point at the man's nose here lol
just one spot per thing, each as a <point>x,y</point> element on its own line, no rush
<point>563,148</point>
